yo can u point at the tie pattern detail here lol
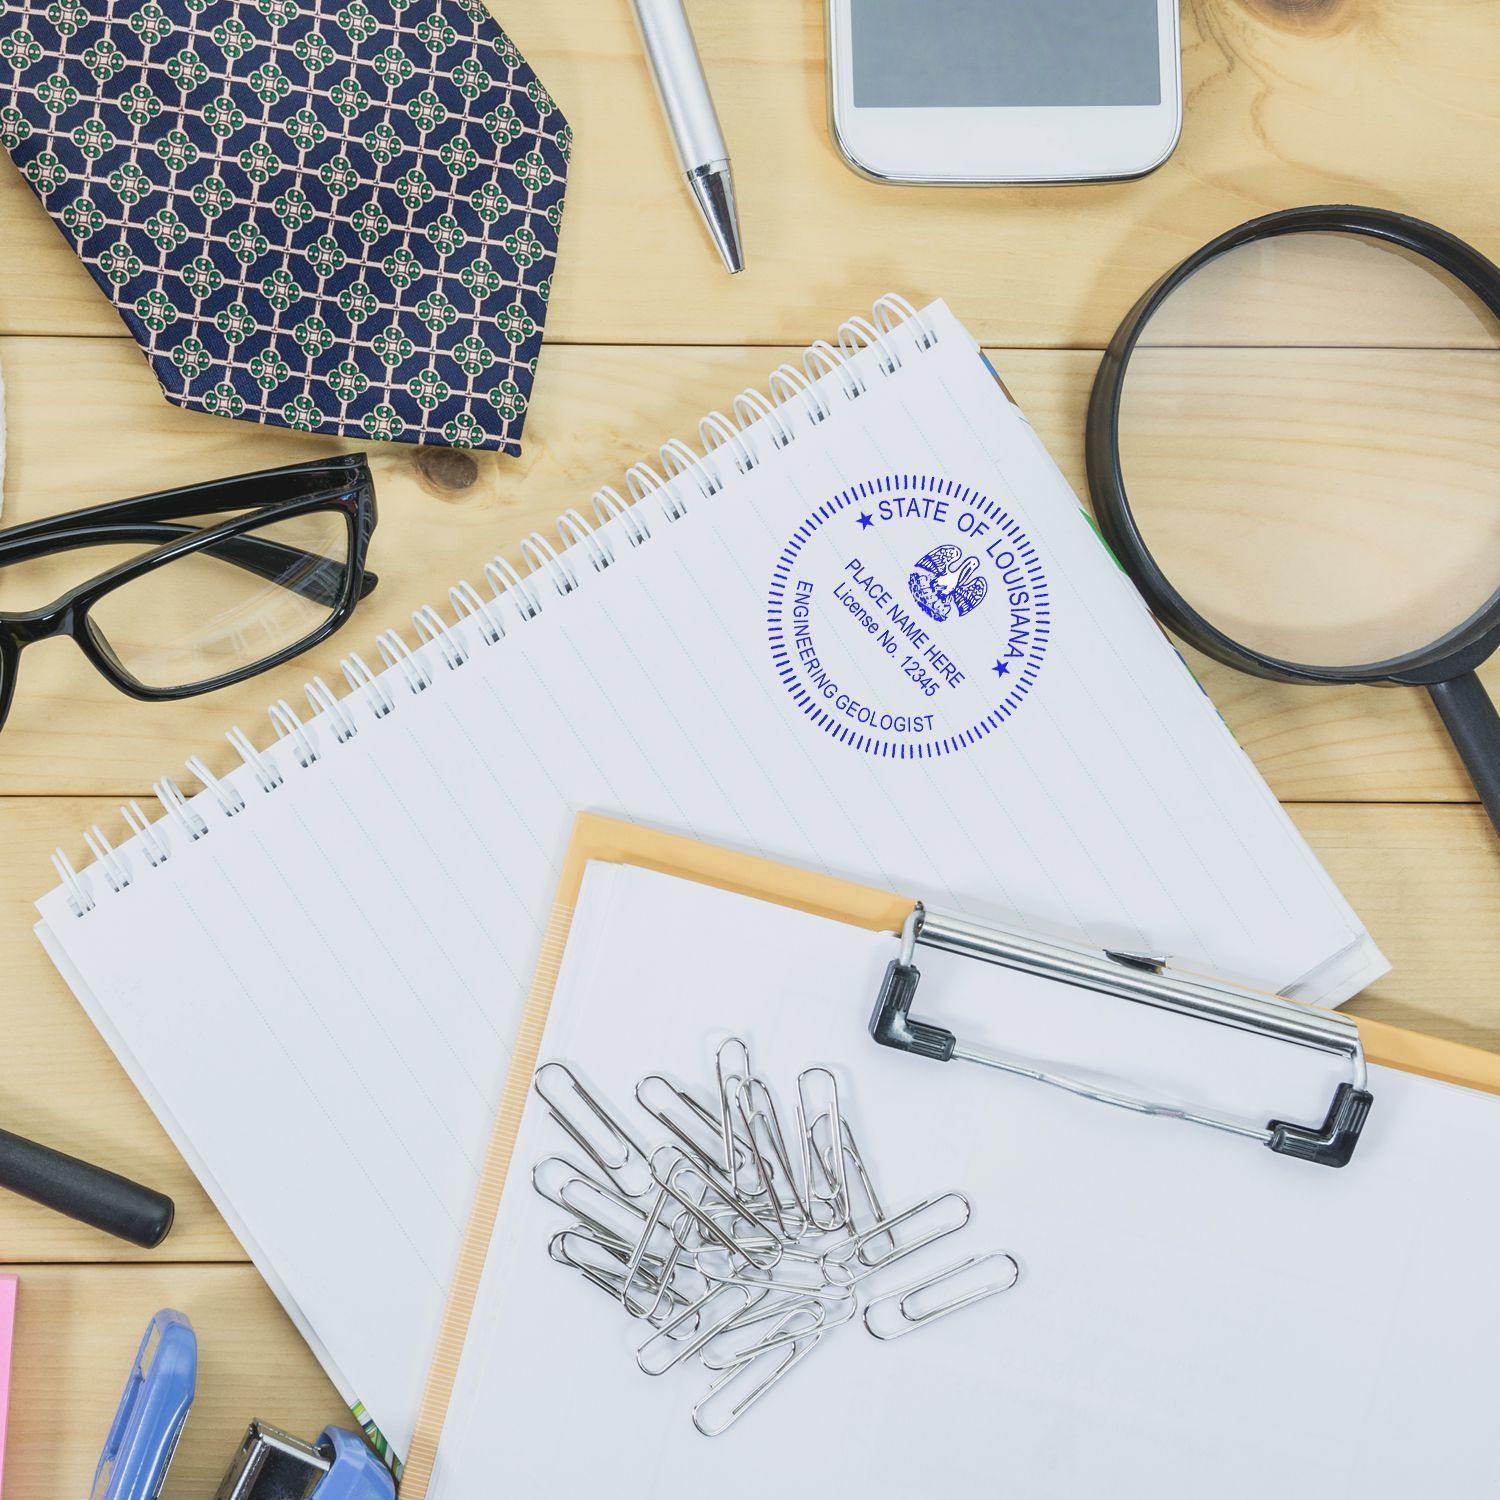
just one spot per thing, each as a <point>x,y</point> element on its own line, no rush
<point>334,215</point>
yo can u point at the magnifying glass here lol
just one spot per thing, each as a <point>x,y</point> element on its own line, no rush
<point>1293,448</point>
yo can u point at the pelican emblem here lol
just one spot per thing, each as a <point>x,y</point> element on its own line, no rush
<point>946,581</point>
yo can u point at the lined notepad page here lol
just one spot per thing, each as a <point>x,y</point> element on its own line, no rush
<point>1196,1316</point>
<point>318,996</point>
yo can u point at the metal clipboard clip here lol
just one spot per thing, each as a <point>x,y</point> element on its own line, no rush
<point>1147,982</point>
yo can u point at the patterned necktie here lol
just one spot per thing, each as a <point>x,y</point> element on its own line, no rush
<point>334,215</point>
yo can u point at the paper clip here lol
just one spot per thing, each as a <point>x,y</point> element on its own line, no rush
<point>699,1214</point>
<point>696,1310</point>
<point>905,1299</point>
<point>617,1152</point>
<point>787,1355</point>
<point>590,1201</point>
<point>740,1244</point>
<point>808,1119</point>
<point>599,1269</point>
<point>782,1277</point>
<point>769,1121</point>
<point>723,1076</point>
<point>758,1313</point>
<point>639,1255</point>
<point>641,1260</point>
<point>609,1261</point>
<point>836,1259</point>
<point>707,1156</point>
<point>854,1157</point>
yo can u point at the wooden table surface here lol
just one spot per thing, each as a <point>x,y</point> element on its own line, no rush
<point>1394,103</point>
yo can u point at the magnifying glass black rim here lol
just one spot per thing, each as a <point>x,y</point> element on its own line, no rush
<point>1461,649</point>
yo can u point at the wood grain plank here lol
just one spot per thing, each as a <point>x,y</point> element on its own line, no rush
<point>77,1329</point>
<point>1425,879</point>
<point>443,513</point>
<point>1426,882</point>
<point>1388,102</point>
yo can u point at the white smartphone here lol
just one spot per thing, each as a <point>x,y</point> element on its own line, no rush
<point>975,91</point>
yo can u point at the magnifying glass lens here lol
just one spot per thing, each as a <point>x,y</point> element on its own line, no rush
<point>1309,435</point>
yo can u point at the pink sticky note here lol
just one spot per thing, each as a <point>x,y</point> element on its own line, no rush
<point>8,1286</point>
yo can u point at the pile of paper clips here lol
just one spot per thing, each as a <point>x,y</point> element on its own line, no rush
<point>736,1243</point>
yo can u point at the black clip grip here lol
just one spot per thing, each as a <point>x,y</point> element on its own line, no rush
<point>890,1021</point>
<point>1332,1143</point>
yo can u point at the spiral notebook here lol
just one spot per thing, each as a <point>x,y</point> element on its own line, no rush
<point>864,627</point>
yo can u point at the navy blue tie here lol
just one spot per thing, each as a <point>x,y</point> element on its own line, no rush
<point>334,215</point>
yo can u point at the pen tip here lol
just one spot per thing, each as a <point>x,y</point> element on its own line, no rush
<point>713,188</point>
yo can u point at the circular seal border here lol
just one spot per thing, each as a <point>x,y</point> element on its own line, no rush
<point>944,489</point>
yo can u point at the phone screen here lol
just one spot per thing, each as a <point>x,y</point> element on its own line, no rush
<point>935,54</point>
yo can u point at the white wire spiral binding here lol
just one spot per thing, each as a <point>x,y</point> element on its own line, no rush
<point>230,802</point>
<point>115,869</point>
<point>78,891</point>
<point>260,762</point>
<point>576,532</point>
<point>681,461</point>
<point>396,653</point>
<point>505,580</point>
<point>860,333</point>
<point>323,701</point>
<point>893,309</point>
<point>153,840</point>
<point>363,681</point>
<point>792,395</point>
<point>642,481</point>
<point>608,505</point>
<point>820,358</point>
<point>751,407</point>
<point>788,381</point>
<point>290,727</point>
<point>432,627</point>
<point>715,430</point>
<point>169,794</point>
<point>541,557</point>
<point>467,603</point>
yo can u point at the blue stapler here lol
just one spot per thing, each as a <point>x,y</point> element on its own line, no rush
<point>270,1464</point>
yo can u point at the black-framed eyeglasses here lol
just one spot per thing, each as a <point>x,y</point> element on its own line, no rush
<point>203,604</point>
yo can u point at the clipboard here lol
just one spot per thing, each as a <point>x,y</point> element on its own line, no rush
<point>598,838</point>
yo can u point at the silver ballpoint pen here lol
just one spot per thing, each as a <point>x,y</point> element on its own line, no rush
<point>678,74</point>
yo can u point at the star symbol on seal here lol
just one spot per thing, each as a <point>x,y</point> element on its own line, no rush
<point>1000,668</point>
<point>866,520</point>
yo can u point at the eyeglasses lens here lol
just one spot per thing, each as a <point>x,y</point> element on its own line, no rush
<point>228,606</point>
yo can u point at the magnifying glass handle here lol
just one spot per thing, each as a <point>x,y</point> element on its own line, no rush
<point>1471,719</point>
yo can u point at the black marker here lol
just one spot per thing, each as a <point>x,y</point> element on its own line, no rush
<point>84,1192</point>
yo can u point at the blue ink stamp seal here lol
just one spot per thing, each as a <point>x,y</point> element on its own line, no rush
<point>909,616</point>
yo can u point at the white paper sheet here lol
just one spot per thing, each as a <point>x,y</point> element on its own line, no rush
<point>1196,1315</point>
<point>355,945</point>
